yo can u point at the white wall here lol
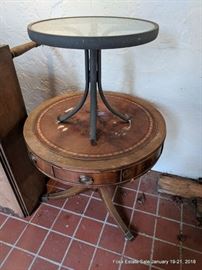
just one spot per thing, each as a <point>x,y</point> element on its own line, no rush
<point>165,72</point>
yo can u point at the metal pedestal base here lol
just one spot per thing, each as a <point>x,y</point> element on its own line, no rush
<point>93,79</point>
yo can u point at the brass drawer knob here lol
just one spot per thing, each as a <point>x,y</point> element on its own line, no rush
<point>85,179</point>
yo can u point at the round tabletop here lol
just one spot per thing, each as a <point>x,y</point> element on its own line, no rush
<point>93,32</point>
<point>63,148</point>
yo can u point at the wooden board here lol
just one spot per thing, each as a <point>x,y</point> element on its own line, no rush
<point>199,210</point>
<point>25,181</point>
<point>179,186</point>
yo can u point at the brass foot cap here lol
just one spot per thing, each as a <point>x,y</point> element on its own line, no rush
<point>129,236</point>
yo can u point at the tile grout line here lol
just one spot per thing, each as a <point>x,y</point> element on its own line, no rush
<point>131,218</point>
<point>30,222</point>
<point>193,250</point>
<point>117,204</point>
<point>62,234</point>
<point>75,231</point>
<point>127,188</point>
<point>1,242</point>
<point>110,224</point>
<point>146,193</point>
<point>45,238</point>
<point>18,238</point>
<point>84,242</point>
<point>1,226</point>
<point>123,187</point>
<point>150,194</point>
<point>90,244</point>
<point>46,259</point>
<point>181,232</point>
<point>98,241</point>
<point>156,267</point>
<point>154,234</point>
<point>130,208</point>
<point>101,232</point>
<point>127,207</point>
<point>31,253</point>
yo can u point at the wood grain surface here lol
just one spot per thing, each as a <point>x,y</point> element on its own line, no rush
<point>124,150</point>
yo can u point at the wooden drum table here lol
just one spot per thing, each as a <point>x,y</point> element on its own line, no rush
<point>125,150</point>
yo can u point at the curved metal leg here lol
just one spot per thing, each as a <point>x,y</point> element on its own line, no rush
<point>118,114</point>
<point>63,118</point>
<point>114,213</point>
<point>63,194</point>
<point>93,79</point>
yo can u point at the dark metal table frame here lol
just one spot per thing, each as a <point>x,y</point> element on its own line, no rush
<point>93,47</point>
<point>93,77</point>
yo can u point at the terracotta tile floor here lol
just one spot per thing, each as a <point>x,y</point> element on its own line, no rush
<point>79,234</point>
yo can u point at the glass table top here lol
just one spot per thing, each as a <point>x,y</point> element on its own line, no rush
<point>92,28</point>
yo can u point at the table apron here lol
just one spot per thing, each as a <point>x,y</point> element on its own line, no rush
<point>115,177</point>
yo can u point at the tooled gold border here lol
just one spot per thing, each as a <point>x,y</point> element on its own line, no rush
<point>43,138</point>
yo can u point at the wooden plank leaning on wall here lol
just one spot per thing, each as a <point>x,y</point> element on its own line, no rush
<point>19,176</point>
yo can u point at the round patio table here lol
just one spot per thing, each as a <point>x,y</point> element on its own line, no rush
<point>92,34</point>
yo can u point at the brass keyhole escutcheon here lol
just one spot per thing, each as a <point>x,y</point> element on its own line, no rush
<point>127,174</point>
